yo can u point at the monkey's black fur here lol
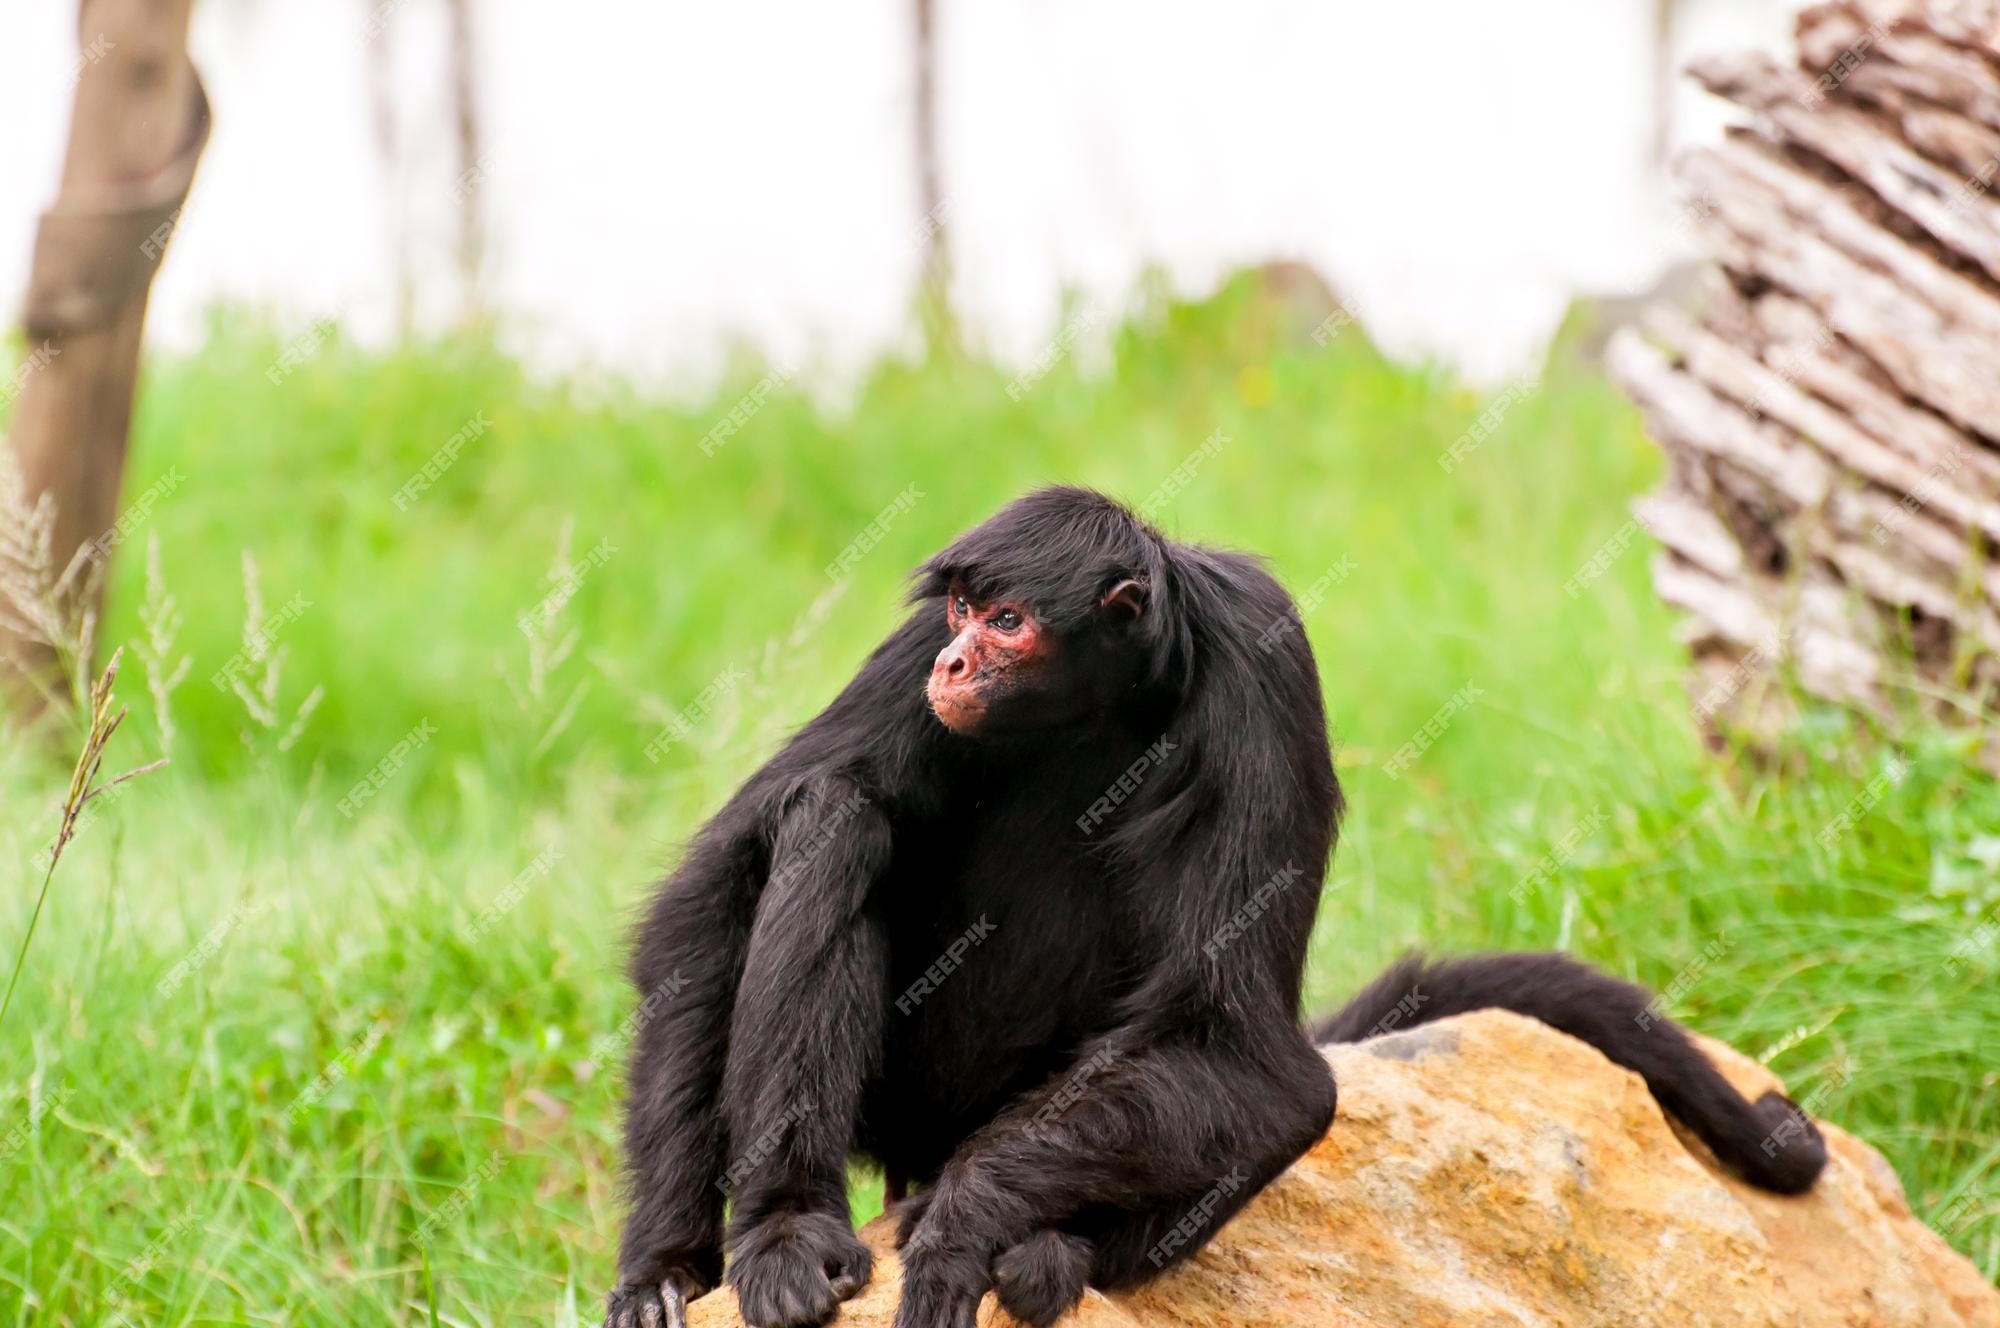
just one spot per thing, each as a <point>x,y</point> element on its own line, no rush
<point>1072,1031</point>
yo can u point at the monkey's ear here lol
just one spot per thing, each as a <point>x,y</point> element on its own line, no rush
<point>1126,600</point>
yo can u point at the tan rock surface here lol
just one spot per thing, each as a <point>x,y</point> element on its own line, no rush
<point>1488,1171</point>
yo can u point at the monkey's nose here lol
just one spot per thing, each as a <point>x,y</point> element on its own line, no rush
<point>953,664</point>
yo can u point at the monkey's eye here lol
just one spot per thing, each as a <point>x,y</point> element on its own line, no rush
<point>1006,620</point>
<point>959,606</point>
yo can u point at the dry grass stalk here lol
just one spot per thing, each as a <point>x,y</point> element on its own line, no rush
<point>84,786</point>
<point>264,661</point>
<point>44,607</point>
<point>551,643</point>
<point>160,616</point>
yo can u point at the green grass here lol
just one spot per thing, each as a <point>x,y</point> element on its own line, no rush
<point>222,933</point>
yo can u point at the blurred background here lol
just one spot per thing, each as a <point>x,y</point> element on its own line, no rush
<point>540,409</point>
<point>652,186</point>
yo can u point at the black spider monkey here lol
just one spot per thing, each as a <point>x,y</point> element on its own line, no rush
<point>1022,917</point>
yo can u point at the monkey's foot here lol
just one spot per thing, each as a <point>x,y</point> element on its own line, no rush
<point>942,1283</point>
<point>1039,1280</point>
<point>793,1270</point>
<point>630,1306</point>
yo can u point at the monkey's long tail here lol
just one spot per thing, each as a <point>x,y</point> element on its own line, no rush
<point>1770,1141</point>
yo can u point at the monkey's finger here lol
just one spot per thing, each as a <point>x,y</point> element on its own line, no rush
<point>635,1307</point>
<point>962,1313</point>
<point>675,1304</point>
<point>910,1212</point>
<point>849,1270</point>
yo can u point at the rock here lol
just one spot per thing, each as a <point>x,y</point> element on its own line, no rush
<point>1488,1171</point>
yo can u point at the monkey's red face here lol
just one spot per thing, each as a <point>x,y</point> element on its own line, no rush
<point>1000,655</point>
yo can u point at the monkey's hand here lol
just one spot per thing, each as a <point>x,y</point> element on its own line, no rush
<point>1038,1280</point>
<point>1042,1278</point>
<point>943,1279</point>
<point>661,1304</point>
<point>794,1269</point>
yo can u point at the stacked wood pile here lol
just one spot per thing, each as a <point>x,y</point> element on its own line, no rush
<point>1831,414</point>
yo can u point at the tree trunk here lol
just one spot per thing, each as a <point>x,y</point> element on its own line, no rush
<point>934,280</point>
<point>378,61</point>
<point>137,127</point>
<point>1662,129</point>
<point>469,140</point>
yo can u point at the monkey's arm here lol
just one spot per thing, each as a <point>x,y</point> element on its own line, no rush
<point>806,1033</point>
<point>686,965</point>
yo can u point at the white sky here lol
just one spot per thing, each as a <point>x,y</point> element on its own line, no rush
<point>667,179</point>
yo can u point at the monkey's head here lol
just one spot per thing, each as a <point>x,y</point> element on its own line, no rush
<point>1053,607</point>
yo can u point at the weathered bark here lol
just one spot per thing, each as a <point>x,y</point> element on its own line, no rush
<point>1832,417</point>
<point>137,128</point>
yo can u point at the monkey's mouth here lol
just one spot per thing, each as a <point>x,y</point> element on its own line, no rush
<point>956,710</point>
